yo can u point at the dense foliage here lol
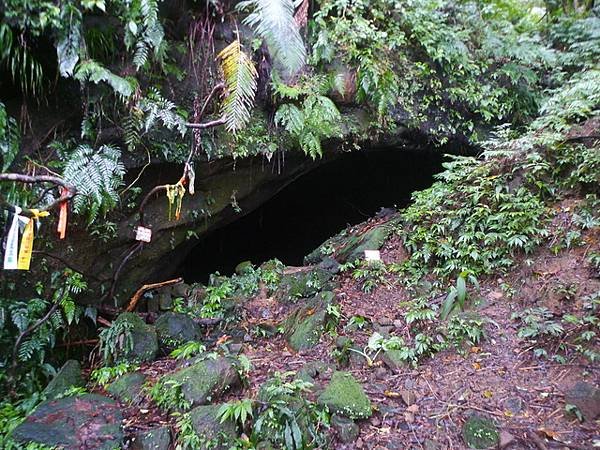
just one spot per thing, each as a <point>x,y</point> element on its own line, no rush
<point>348,70</point>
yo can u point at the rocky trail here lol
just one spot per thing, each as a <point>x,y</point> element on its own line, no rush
<point>317,324</point>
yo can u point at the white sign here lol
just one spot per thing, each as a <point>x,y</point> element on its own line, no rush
<point>372,255</point>
<point>143,234</point>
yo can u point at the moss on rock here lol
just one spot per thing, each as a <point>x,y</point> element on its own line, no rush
<point>67,377</point>
<point>127,388</point>
<point>205,380</point>
<point>213,432</point>
<point>304,327</point>
<point>174,329</point>
<point>144,339</point>
<point>346,397</point>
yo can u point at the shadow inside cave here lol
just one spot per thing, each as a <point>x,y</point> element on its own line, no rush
<point>314,207</point>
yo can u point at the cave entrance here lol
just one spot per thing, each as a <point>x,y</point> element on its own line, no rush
<point>345,191</point>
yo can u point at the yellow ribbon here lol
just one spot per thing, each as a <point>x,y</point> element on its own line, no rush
<point>175,193</point>
<point>26,249</point>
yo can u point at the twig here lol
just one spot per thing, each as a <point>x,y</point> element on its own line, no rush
<point>28,179</point>
<point>146,287</point>
<point>30,330</point>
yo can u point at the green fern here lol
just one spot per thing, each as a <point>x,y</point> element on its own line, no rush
<point>151,34</point>
<point>316,119</point>
<point>157,108</point>
<point>90,70</point>
<point>273,20</point>
<point>240,78</point>
<point>96,175</point>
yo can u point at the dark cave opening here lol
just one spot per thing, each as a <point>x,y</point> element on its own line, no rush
<point>345,191</point>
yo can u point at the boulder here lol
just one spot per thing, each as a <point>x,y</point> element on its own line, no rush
<point>67,377</point>
<point>347,431</point>
<point>304,326</point>
<point>393,359</point>
<point>144,338</point>
<point>154,439</point>
<point>586,397</point>
<point>480,432</point>
<point>127,388</point>
<point>174,329</point>
<point>347,246</point>
<point>346,397</point>
<point>88,421</point>
<point>302,283</point>
<point>356,245</point>
<point>213,433</point>
<point>206,379</point>
<point>244,268</point>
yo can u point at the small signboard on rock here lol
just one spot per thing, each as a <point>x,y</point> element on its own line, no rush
<point>143,234</point>
<point>372,255</point>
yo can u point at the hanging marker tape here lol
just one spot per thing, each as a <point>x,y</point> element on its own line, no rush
<point>11,253</point>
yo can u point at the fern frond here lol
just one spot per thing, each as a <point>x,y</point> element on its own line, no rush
<point>97,176</point>
<point>273,20</point>
<point>240,78</point>
<point>92,71</point>
<point>151,35</point>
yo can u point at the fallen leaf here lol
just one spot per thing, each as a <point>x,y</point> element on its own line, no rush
<point>476,366</point>
<point>549,433</point>
<point>488,394</point>
<point>391,394</point>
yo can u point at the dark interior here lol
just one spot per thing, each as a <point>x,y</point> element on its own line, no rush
<point>342,192</point>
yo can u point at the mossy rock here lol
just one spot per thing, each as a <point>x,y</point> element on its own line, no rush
<point>205,380</point>
<point>154,439</point>
<point>303,284</point>
<point>303,327</point>
<point>67,377</point>
<point>127,388</point>
<point>356,245</point>
<point>346,247</point>
<point>213,433</point>
<point>243,268</point>
<point>174,329</point>
<point>346,397</point>
<point>480,432</point>
<point>145,340</point>
<point>87,421</point>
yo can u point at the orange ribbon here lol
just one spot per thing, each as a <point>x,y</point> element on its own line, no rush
<point>62,217</point>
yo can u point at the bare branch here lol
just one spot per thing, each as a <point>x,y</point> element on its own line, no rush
<point>71,191</point>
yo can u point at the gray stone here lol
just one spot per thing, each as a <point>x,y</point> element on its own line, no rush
<point>213,433</point>
<point>587,399</point>
<point>88,421</point>
<point>345,396</point>
<point>514,405</point>
<point>154,439</point>
<point>347,431</point>
<point>205,380</point>
<point>174,329</point>
<point>127,388</point>
<point>393,359</point>
<point>165,301</point>
<point>302,284</point>
<point>67,377</point>
<point>145,341</point>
